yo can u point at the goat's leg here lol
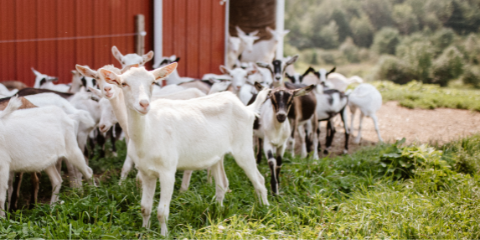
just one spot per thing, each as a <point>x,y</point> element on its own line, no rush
<point>330,134</point>
<point>11,177</point>
<point>259,150</point>
<point>302,135</point>
<point>187,175</point>
<point>347,131</point>
<point>221,182</point>
<point>319,144</point>
<point>56,181</point>
<point>292,137</point>
<point>17,183</point>
<point>375,122</point>
<point>75,157</point>
<point>148,192</point>
<point>315,125</point>
<point>272,163</point>
<point>127,167</point>
<point>359,135</point>
<point>4,176</point>
<point>167,181</point>
<point>352,116</point>
<point>74,176</point>
<point>280,152</point>
<point>245,158</point>
<point>35,187</point>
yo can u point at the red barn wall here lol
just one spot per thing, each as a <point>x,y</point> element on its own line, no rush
<point>194,31</point>
<point>24,22</point>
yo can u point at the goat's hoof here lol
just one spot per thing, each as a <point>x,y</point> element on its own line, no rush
<point>325,151</point>
<point>345,151</point>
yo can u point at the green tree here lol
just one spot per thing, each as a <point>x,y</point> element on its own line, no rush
<point>362,31</point>
<point>405,19</point>
<point>386,40</point>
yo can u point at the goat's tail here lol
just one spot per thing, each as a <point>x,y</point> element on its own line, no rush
<point>261,98</point>
<point>13,104</point>
<point>84,117</point>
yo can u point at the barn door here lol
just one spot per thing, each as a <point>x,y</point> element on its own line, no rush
<point>195,32</point>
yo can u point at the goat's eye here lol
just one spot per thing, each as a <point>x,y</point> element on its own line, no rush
<point>124,84</point>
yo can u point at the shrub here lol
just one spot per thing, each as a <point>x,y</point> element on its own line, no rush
<point>386,40</point>
<point>393,69</point>
<point>405,19</point>
<point>472,49</point>
<point>442,39</point>
<point>327,37</point>
<point>431,22</point>
<point>350,51</point>
<point>471,76</point>
<point>447,67</point>
<point>362,31</point>
<point>418,58</point>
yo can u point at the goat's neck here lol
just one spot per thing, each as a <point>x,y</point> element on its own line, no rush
<point>174,76</point>
<point>119,108</point>
<point>137,128</point>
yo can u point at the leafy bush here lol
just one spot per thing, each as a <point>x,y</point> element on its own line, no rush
<point>447,67</point>
<point>405,19</point>
<point>386,40</point>
<point>442,39</point>
<point>418,58</point>
<point>327,37</point>
<point>472,49</point>
<point>471,76</point>
<point>393,69</point>
<point>362,31</point>
<point>327,57</point>
<point>350,51</point>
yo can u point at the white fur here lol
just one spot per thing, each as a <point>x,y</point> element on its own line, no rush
<point>165,137</point>
<point>32,140</point>
<point>48,82</point>
<point>369,100</point>
<point>264,51</point>
<point>131,58</point>
<point>340,82</point>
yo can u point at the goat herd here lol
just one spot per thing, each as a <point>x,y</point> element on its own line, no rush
<point>187,124</point>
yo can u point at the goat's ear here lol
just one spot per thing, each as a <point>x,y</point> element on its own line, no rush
<point>285,32</point>
<point>126,68</point>
<point>224,69</point>
<point>35,72</point>
<point>177,59</point>
<point>258,86</point>
<point>269,29</point>
<point>110,77</point>
<point>309,70</point>
<point>254,33</point>
<point>331,71</point>
<point>117,54</point>
<point>302,91</point>
<point>263,65</point>
<point>96,92</point>
<point>239,31</point>
<point>86,71</point>
<point>251,71</point>
<point>163,72</point>
<point>255,38</point>
<point>74,72</point>
<point>291,60</point>
<point>147,57</point>
<point>291,78</point>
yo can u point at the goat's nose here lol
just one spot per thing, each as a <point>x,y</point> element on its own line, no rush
<point>144,104</point>
<point>281,117</point>
<point>102,127</point>
<point>107,88</point>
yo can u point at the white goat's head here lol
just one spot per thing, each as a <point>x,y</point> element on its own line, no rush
<point>41,78</point>
<point>322,74</point>
<point>167,60</point>
<point>234,44</point>
<point>276,34</point>
<point>247,39</point>
<point>239,76</point>
<point>137,84</point>
<point>132,58</point>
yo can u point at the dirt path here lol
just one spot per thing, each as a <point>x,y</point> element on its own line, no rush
<point>416,125</point>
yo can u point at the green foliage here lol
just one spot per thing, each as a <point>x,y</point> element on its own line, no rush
<point>471,76</point>
<point>405,19</point>
<point>350,51</point>
<point>418,57</point>
<point>448,66</point>
<point>362,31</point>
<point>472,49</point>
<point>394,69</point>
<point>429,96</point>
<point>327,37</point>
<point>442,39</point>
<point>386,40</point>
<point>379,12</point>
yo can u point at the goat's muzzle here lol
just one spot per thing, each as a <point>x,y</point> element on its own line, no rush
<point>281,116</point>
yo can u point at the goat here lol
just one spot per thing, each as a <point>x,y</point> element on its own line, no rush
<point>45,135</point>
<point>302,114</point>
<point>79,81</point>
<point>131,58</point>
<point>222,122</point>
<point>273,130</point>
<point>369,100</point>
<point>45,81</point>
<point>264,51</point>
<point>340,82</point>
<point>4,92</point>
<point>173,78</point>
<point>246,44</point>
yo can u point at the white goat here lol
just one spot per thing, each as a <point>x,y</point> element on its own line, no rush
<point>237,46</point>
<point>32,140</point>
<point>369,100</point>
<point>167,134</point>
<point>173,78</point>
<point>264,51</point>
<point>45,81</point>
<point>340,82</point>
<point>79,81</point>
<point>131,58</point>
<point>4,92</point>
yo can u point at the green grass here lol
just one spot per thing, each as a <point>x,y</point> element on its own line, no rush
<point>429,96</point>
<point>352,196</point>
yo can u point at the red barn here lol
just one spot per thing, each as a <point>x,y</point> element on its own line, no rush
<point>54,35</point>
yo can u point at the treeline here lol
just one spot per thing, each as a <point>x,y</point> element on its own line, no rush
<point>432,41</point>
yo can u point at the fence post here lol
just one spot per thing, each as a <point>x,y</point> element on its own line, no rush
<point>140,37</point>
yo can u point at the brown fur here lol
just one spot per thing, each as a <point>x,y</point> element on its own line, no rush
<point>32,91</point>
<point>196,84</point>
<point>10,85</point>
<point>25,103</point>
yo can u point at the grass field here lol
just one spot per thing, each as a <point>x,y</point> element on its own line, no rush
<point>392,191</point>
<point>429,96</point>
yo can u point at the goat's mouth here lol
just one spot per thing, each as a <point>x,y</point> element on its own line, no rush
<point>103,129</point>
<point>142,111</point>
<point>109,95</point>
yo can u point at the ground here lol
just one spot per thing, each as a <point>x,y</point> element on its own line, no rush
<point>437,126</point>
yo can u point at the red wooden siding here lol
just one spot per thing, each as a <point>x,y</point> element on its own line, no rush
<point>47,19</point>
<point>195,32</point>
